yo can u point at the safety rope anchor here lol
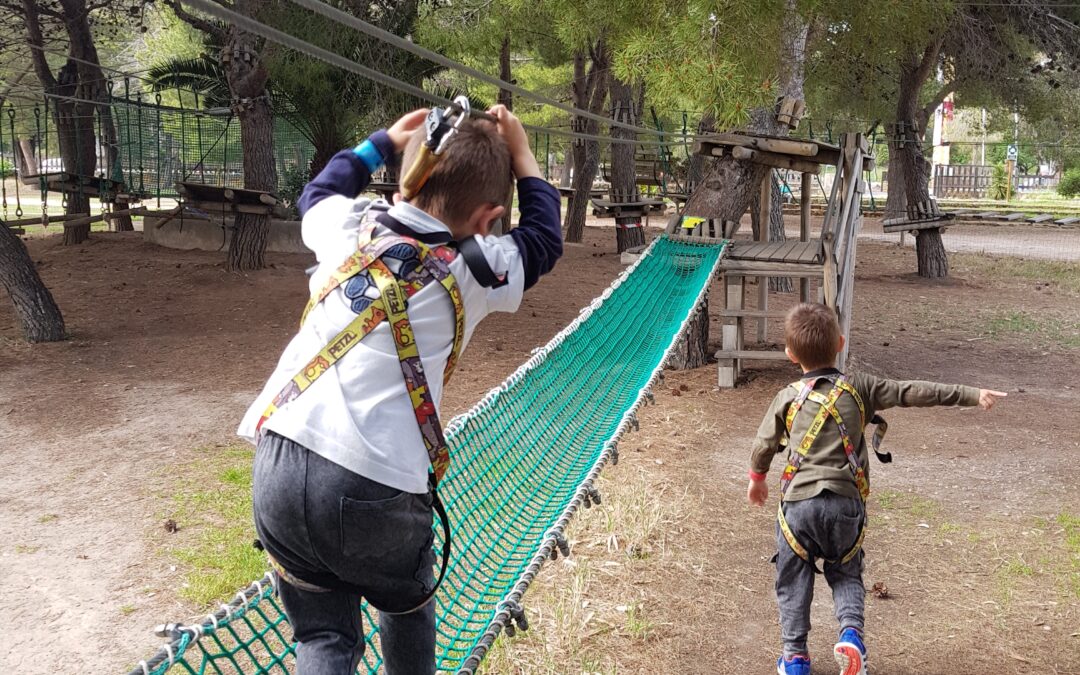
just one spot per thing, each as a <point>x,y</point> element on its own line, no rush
<point>517,619</point>
<point>561,546</point>
<point>167,630</point>
<point>592,496</point>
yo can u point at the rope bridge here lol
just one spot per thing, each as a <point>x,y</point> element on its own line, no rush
<point>524,460</point>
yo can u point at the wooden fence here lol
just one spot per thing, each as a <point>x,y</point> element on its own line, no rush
<point>973,181</point>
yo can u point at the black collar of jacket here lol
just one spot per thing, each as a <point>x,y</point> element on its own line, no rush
<point>821,372</point>
<point>468,248</point>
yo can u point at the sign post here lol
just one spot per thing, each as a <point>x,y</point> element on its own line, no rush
<point>1010,164</point>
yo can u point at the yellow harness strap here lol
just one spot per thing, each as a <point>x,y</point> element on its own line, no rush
<point>390,304</point>
<point>827,409</point>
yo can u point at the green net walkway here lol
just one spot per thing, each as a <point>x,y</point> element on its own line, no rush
<point>524,459</point>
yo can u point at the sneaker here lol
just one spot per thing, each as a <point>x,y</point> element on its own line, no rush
<point>798,664</point>
<point>850,653</point>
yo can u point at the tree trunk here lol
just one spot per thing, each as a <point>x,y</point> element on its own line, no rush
<point>34,306</point>
<point>696,171</point>
<point>728,187</point>
<point>933,262</point>
<point>895,204</point>
<point>247,77</point>
<point>693,349</point>
<point>506,98</point>
<point>592,90</point>
<point>628,230</point>
<point>251,231</point>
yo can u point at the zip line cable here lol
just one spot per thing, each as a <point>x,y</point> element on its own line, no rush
<point>356,23</point>
<point>314,51</point>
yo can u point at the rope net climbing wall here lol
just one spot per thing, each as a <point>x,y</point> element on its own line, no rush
<point>523,460</point>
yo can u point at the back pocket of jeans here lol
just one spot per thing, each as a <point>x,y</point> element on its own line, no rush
<point>384,529</point>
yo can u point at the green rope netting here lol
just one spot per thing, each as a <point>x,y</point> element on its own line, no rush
<point>523,460</point>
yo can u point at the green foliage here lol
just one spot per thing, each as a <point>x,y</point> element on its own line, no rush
<point>999,182</point>
<point>6,169</point>
<point>960,154</point>
<point>1070,183</point>
<point>291,183</point>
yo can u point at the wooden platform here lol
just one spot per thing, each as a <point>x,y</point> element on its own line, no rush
<point>217,198</point>
<point>603,208</point>
<point>568,192</point>
<point>810,252</point>
<point>383,189</point>
<point>92,186</point>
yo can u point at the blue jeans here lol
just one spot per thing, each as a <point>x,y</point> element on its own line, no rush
<point>338,530</point>
<point>827,525</point>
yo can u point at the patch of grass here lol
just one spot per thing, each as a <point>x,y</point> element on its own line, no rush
<point>26,548</point>
<point>1050,329</point>
<point>887,499</point>
<point>47,518</point>
<point>637,624</point>
<point>212,504</point>
<point>1018,568</point>
<point>127,610</point>
<point>948,528</point>
<point>1060,275</point>
<point>1071,526</point>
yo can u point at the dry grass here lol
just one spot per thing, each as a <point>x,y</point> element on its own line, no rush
<point>576,602</point>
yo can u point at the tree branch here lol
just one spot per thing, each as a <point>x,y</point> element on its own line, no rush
<point>196,22</point>
<point>929,58</point>
<point>927,110</point>
<point>34,39</point>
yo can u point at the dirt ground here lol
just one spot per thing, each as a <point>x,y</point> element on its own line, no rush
<point>975,528</point>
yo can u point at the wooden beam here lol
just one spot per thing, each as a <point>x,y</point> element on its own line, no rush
<point>748,354</point>
<point>775,160</point>
<point>804,229</point>
<point>767,268</point>
<point>909,226</point>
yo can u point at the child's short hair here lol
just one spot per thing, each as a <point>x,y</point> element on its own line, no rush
<point>811,334</point>
<point>474,171</point>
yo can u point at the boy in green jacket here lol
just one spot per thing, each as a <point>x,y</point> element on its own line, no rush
<point>823,490</point>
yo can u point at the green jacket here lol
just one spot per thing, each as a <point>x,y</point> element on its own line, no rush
<point>825,467</point>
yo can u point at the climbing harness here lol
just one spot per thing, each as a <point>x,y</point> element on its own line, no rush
<point>398,267</point>
<point>827,409</point>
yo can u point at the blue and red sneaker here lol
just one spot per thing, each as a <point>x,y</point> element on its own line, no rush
<point>850,652</point>
<point>799,664</point>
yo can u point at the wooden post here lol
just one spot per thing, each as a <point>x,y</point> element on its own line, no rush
<point>731,331</point>
<point>1008,179</point>
<point>763,235</point>
<point>804,230</point>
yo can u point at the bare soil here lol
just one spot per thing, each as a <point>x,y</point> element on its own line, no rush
<point>969,525</point>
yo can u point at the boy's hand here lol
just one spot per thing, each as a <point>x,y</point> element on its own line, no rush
<point>757,492</point>
<point>401,130</point>
<point>988,397</point>
<point>524,164</point>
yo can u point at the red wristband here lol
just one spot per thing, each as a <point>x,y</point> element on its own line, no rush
<point>756,477</point>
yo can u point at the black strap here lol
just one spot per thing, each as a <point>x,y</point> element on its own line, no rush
<point>436,504</point>
<point>477,263</point>
<point>429,238</point>
<point>468,247</point>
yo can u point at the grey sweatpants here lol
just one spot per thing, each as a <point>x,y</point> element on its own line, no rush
<point>827,526</point>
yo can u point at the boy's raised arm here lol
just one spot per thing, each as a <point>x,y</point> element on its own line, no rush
<point>918,394</point>
<point>349,171</point>
<point>538,235</point>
